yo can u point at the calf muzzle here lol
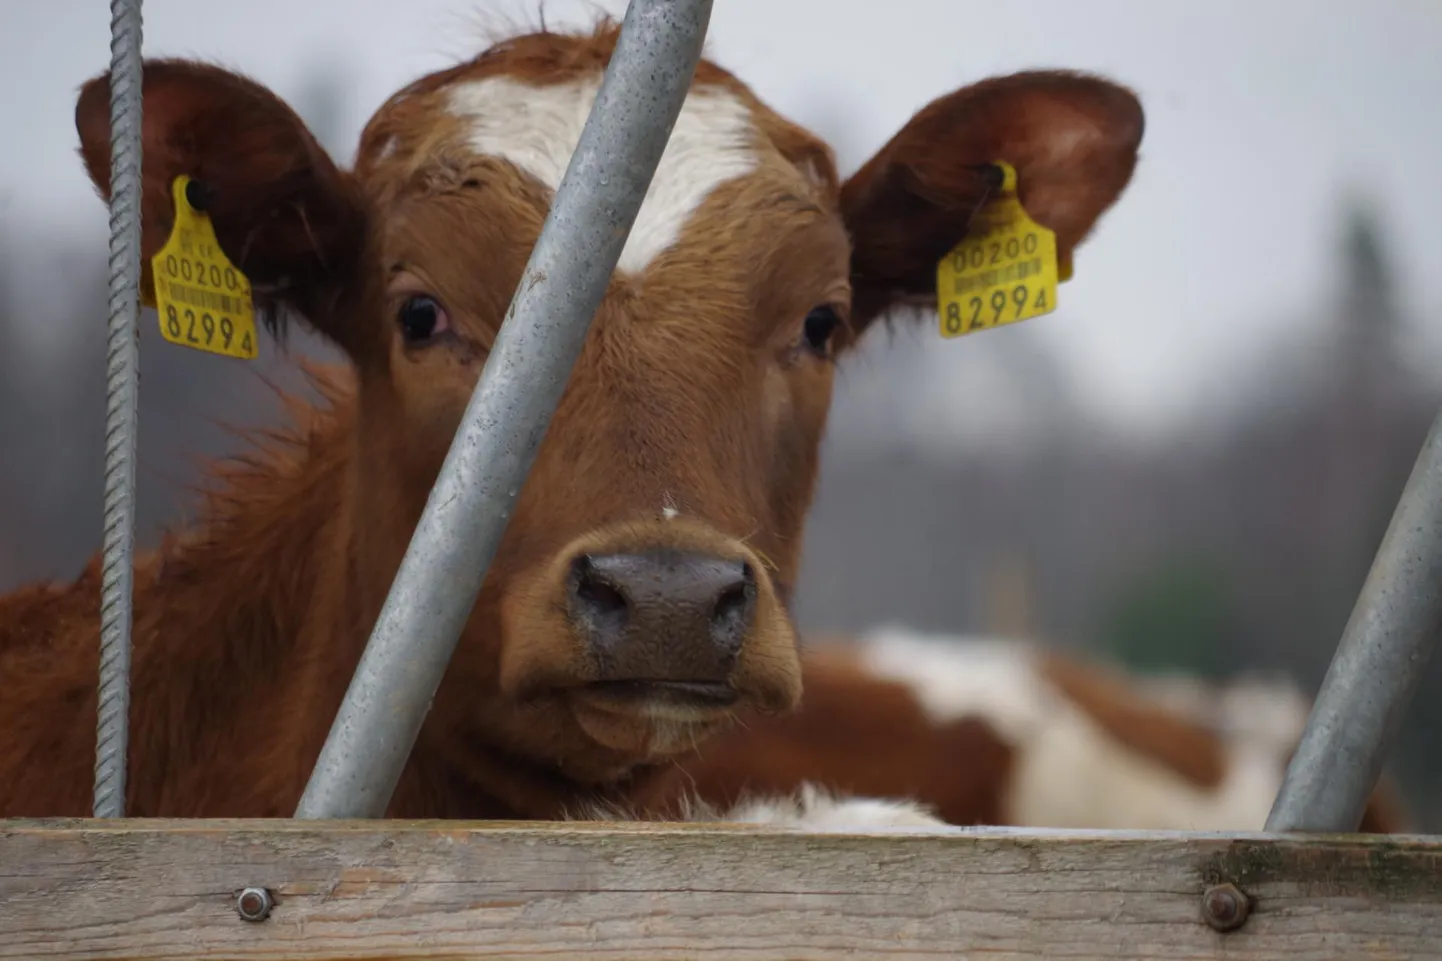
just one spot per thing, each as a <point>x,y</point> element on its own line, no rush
<point>663,623</point>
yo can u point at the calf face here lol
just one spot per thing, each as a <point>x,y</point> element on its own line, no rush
<point>641,592</point>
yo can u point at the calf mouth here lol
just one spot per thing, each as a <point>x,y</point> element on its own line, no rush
<point>652,719</point>
<point>636,694</point>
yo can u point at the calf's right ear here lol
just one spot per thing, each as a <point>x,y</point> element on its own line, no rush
<point>284,214</point>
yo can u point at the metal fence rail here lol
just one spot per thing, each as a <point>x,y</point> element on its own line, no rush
<point>538,344</point>
<point>1394,628</point>
<point>122,415</point>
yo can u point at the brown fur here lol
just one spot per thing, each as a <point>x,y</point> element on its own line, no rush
<point>1386,813</point>
<point>855,734</point>
<point>693,390</point>
<point>858,733</point>
<point>1162,736</point>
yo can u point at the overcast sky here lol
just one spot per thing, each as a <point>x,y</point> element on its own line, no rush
<point>1257,112</point>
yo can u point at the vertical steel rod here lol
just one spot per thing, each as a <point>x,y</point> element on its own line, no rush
<point>468,509</point>
<point>122,390</point>
<point>1394,628</point>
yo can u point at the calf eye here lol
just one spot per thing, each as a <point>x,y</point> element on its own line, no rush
<point>821,323</point>
<point>422,318</point>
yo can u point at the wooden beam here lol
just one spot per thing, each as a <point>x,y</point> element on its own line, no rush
<point>409,890</point>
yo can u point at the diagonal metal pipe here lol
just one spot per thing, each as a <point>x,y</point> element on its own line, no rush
<point>1393,631</point>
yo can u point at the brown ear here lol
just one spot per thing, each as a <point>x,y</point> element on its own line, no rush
<point>1072,138</point>
<point>284,214</point>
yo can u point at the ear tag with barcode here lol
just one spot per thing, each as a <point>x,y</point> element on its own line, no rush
<point>1003,272</point>
<point>203,300</point>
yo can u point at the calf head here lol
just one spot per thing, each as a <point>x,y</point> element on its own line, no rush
<point>641,592</point>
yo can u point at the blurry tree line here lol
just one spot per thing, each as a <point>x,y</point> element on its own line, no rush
<point>1238,544</point>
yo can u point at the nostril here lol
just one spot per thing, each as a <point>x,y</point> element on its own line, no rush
<point>730,606</point>
<point>600,597</point>
<point>732,612</point>
<point>597,604</point>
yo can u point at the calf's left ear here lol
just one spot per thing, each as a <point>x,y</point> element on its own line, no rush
<point>1072,138</point>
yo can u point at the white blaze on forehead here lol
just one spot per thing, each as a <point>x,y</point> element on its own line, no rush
<point>536,128</point>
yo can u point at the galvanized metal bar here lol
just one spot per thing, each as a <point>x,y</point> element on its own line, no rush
<point>1395,626</point>
<point>122,392</point>
<point>523,380</point>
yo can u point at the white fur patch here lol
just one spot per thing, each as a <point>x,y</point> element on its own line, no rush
<point>1077,775</point>
<point>810,810</point>
<point>536,128</point>
<point>956,677</point>
<point>1069,772</point>
<point>814,810</point>
<point>1252,707</point>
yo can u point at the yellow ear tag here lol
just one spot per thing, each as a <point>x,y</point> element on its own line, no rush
<point>1003,272</point>
<point>203,300</point>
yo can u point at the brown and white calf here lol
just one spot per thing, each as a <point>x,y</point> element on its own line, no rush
<point>639,599</point>
<point>991,731</point>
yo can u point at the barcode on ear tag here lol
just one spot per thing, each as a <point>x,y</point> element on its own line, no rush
<point>1003,272</point>
<point>202,299</point>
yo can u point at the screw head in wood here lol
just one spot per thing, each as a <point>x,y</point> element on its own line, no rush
<point>1225,907</point>
<point>254,904</point>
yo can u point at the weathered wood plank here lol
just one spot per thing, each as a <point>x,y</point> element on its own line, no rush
<point>166,890</point>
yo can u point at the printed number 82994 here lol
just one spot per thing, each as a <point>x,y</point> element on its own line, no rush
<point>999,300</point>
<point>183,323</point>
